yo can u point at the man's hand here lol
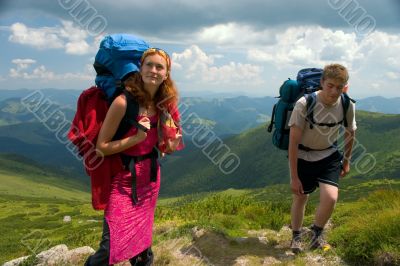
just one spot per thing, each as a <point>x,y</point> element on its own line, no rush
<point>296,186</point>
<point>345,168</point>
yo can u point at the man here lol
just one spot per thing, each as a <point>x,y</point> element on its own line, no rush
<point>314,159</point>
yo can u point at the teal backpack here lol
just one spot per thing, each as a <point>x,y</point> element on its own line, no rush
<point>289,93</point>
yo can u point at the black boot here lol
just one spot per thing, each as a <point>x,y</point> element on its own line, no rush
<point>102,255</point>
<point>145,258</point>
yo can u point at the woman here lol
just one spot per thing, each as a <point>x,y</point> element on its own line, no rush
<point>129,216</point>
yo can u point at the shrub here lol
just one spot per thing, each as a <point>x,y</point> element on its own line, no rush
<point>369,229</point>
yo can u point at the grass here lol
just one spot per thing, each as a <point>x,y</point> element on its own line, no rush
<point>29,228</point>
<point>369,230</point>
<point>21,177</point>
<point>366,222</point>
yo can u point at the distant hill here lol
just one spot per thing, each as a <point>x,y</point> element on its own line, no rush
<point>22,133</point>
<point>226,115</point>
<point>12,111</point>
<point>35,141</point>
<point>380,104</point>
<point>20,176</point>
<point>262,164</point>
<point>59,96</point>
<point>67,98</point>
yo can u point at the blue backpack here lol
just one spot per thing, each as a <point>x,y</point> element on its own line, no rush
<point>307,83</point>
<point>309,79</point>
<point>118,55</point>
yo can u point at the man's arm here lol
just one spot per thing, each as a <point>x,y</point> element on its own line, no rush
<point>294,141</point>
<point>348,148</point>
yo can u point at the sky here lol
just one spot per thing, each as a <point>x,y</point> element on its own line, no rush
<point>246,47</point>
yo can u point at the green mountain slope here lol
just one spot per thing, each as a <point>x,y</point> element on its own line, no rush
<point>21,177</point>
<point>34,201</point>
<point>378,140</point>
<point>37,142</point>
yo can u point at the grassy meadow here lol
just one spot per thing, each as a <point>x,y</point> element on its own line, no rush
<point>366,225</point>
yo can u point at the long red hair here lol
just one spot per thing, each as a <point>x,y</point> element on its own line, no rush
<point>166,97</point>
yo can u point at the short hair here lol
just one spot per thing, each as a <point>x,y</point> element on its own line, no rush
<point>336,72</point>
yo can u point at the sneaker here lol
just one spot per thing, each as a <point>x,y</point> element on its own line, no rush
<point>296,245</point>
<point>319,243</point>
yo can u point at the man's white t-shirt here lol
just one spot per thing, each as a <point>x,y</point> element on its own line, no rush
<point>320,137</point>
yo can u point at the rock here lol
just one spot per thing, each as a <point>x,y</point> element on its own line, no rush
<point>387,258</point>
<point>241,262</point>
<point>58,255</point>
<point>197,233</point>
<point>270,260</point>
<point>240,240</point>
<point>67,219</point>
<point>74,256</point>
<point>53,255</point>
<point>285,230</point>
<point>15,262</point>
<point>263,240</point>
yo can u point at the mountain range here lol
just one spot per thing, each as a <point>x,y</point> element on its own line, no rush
<point>230,127</point>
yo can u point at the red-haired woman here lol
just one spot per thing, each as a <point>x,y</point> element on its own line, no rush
<point>129,216</point>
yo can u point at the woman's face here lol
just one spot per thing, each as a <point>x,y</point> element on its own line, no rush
<point>154,70</point>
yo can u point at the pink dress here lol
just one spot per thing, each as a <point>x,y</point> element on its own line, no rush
<point>131,224</point>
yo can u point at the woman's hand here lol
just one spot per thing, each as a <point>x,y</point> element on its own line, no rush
<point>172,144</point>
<point>141,135</point>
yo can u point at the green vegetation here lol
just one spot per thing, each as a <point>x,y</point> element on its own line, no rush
<point>262,164</point>
<point>365,228</point>
<point>22,177</point>
<point>33,224</point>
<point>368,230</point>
<point>34,200</point>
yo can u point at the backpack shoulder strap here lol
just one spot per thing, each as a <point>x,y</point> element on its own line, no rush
<point>269,129</point>
<point>129,118</point>
<point>345,98</point>
<point>311,100</point>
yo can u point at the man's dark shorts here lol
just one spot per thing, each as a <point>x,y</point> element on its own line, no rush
<point>326,171</point>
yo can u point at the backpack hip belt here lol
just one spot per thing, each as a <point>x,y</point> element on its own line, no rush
<point>305,148</point>
<point>129,163</point>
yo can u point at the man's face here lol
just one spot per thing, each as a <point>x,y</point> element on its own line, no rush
<point>331,90</point>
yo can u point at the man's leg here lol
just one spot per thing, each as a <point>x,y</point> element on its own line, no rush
<point>297,211</point>
<point>327,199</point>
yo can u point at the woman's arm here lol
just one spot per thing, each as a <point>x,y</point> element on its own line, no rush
<point>105,145</point>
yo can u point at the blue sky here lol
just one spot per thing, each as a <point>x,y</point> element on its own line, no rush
<point>241,47</point>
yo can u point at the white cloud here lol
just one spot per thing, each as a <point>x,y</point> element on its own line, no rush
<point>393,75</point>
<point>67,36</point>
<point>233,34</point>
<point>44,75</point>
<point>41,38</point>
<point>304,46</point>
<point>81,47</point>
<point>23,63</point>
<point>376,85</point>
<point>195,65</point>
<point>77,39</point>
